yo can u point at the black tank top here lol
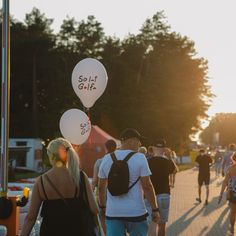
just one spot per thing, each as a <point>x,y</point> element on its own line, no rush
<point>62,216</point>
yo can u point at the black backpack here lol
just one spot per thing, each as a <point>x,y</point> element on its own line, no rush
<point>118,177</point>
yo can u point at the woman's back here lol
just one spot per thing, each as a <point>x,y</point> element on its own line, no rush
<point>62,205</point>
<point>64,193</point>
<point>61,179</point>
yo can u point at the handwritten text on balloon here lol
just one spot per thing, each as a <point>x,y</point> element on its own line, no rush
<point>87,83</point>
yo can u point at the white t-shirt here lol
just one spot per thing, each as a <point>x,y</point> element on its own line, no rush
<point>132,203</point>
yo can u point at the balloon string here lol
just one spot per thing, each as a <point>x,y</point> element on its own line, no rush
<point>90,136</point>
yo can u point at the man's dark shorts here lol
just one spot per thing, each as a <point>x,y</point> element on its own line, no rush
<point>203,179</point>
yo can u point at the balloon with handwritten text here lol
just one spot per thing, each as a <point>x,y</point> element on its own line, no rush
<point>75,126</point>
<point>89,81</point>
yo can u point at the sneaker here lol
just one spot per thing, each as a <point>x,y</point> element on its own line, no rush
<point>206,202</point>
<point>198,200</point>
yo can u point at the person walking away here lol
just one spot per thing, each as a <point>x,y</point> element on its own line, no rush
<point>161,167</point>
<point>110,146</point>
<point>218,162</point>
<point>173,158</point>
<point>60,191</point>
<point>227,161</point>
<point>230,183</point>
<point>203,162</point>
<point>126,176</point>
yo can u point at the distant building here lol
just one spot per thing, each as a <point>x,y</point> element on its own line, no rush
<point>26,153</point>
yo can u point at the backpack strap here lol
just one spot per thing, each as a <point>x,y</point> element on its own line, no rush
<point>129,156</point>
<point>132,185</point>
<point>126,159</point>
<point>113,157</point>
<point>56,190</point>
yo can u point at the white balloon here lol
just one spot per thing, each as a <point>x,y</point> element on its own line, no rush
<point>89,81</point>
<point>75,126</point>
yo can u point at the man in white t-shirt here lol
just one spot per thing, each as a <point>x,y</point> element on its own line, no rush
<point>127,212</point>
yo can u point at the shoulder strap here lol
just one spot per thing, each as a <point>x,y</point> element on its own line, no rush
<point>113,157</point>
<point>76,191</point>
<point>132,185</point>
<point>56,190</point>
<point>126,159</point>
<point>44,192</point>
<point>129,156</point>
<point>83,188</point>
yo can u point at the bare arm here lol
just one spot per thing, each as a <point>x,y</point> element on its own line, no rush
<point>149,191</point>
<point>33,211</point>
<point>102,186</point>
<point>92,202</point>
<point>95,177</point>
<point>225,183</point>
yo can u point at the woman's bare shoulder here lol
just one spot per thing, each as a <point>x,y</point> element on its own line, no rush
<point>40,178</point>
<point>232,169</point>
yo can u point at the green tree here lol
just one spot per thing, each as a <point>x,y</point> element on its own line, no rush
<point>161,86</point>
<point>222,123</point>
<point>31,45</point>
<point>157,82</point>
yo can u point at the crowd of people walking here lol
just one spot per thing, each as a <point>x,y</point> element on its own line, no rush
<point>130,190</point>
<point>224,163</point>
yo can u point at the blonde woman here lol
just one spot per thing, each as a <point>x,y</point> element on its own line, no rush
<point>62,193</point>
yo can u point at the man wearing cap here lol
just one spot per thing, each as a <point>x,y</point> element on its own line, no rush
<point>127,213</point>
<point>161,167</point>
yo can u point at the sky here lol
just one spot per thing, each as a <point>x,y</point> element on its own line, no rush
<point>211,24</point>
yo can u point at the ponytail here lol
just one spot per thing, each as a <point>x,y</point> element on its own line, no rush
<point>73,166</point>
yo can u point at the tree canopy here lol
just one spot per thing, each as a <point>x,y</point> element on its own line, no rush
<point>157,82</point>
<point>222,123</point>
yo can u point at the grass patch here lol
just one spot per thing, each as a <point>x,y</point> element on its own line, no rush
<point>188,166</point>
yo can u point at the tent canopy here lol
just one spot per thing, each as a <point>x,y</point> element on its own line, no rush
<point>94,148</point>
<point>98,135</point>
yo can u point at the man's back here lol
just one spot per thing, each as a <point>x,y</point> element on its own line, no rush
<point>161,168</point>
<point>218,157</point>
<point>204,162</point>
<point>132,203</point>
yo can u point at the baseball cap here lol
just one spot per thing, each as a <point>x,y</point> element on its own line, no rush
<point>130,133</point>
<point>161,143</point>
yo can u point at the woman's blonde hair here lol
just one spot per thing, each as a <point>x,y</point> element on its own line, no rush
<point>72,164</point>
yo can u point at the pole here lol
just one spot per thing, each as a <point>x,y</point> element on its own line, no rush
<point>5,99</point>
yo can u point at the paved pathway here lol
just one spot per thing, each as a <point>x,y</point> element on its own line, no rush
<point>190,219</point>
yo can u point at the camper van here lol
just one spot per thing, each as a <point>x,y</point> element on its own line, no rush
<point>26,153</point>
